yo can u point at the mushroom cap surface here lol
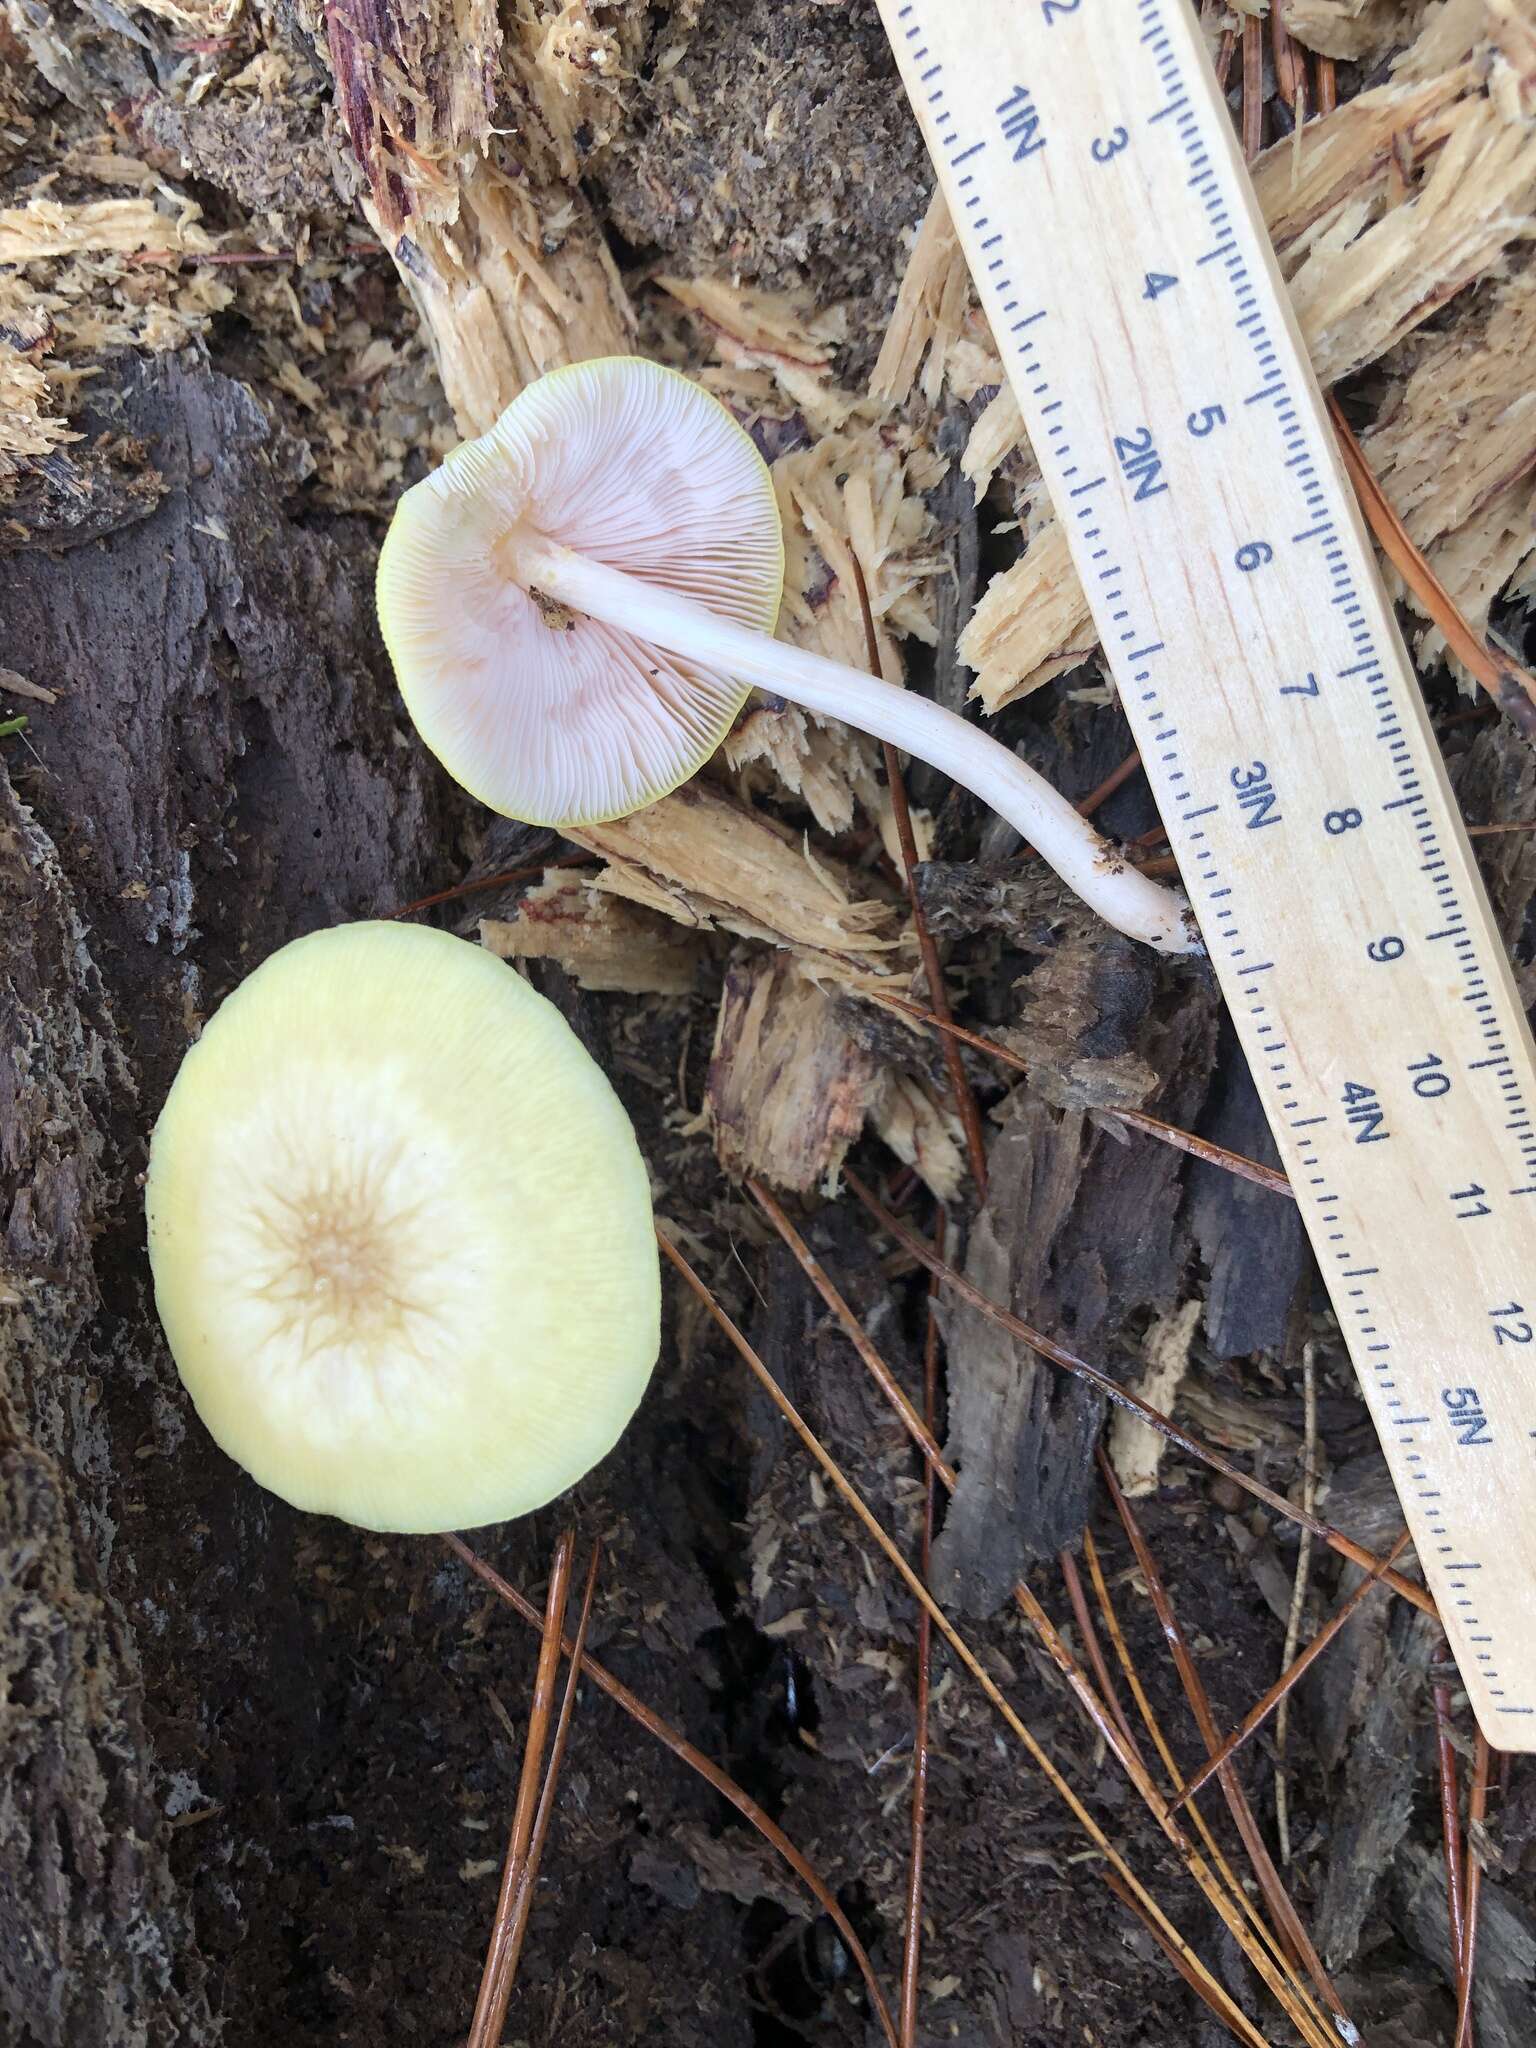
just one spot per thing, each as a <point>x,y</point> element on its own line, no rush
<point>401,1235</point>
<point>547,715</point>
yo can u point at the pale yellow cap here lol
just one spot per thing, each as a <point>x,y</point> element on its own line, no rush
<point>401,1235</point>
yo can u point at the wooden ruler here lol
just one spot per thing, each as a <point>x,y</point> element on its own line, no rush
<point>1092,173</point>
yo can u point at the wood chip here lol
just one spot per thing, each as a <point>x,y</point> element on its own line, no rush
<point>601,941</point>
<point>714,864</point>
<point>1135,1451</point>
<point>788,1089</point>
<point>44,228</point>
<point>922,1132</point>
<point>1349,29</point>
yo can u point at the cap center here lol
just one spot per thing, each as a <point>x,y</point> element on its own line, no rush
<point>334,1264</point>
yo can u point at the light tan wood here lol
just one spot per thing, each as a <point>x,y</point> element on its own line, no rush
<point>1086,158</point>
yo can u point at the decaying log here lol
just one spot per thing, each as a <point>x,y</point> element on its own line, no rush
<point>792,1082</point>
<point>790,1087</point>
<point>1135,1451</point>
<point>222,755</point>
<point>1496,779</point>
<point>82,1839</point>
<point>1079,1230</point>
<point>1251,1241</point>
<point>1506,1946</point>
<point>1371,1814</point>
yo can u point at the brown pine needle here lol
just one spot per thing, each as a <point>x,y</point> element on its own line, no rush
<point>501,881</point>
<point>1237,1163</point>
<point>1168,1134</point>
<point>912,1945</point>
<point>1253,86</point>
<point>1226,49</point>
<point>496,1980</point>
<point>522,1905</point>
<point>1290,64</point>
<point>697,1761</point>
<point>1271,1962</point>
<point>933,969</point>
<point>1477,1813</point>
<point>1057,1355</point>
<point>1450,1830</point>
<point>1260,1712</point>
<point>1111,1727</point>
<point>1114,780</point>
<point>1235,2019</point>
<point>1160,1742</point>
<point>1094,1648</point>
<point>1511,687</point>
<point>1279,1900</point>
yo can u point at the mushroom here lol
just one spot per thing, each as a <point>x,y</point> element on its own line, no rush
<point>401,1235</point>
<point>577,603</point>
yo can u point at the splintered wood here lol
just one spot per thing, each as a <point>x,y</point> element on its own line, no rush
<point>501,255</point>
<point>600,941</point>
<point>788,1088</point>
<point>708,862</point>
<point>1455,448</point>
<point>847,500</point>
<point>80,278</point>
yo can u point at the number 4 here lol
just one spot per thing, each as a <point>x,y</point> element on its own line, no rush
<point>1158,282</point>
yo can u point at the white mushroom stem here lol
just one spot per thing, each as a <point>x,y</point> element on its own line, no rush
<point>1086,862</point>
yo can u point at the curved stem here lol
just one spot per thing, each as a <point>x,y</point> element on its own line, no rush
<point>1132,902</point>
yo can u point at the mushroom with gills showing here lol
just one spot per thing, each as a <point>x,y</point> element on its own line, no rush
<point>577,603</point>
<point>401,1234</point>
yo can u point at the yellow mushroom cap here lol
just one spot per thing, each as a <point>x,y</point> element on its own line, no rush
<point>401,1237</point>
<point>566,723</point>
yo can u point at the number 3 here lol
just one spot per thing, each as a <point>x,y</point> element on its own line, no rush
<point>1106,146</point>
